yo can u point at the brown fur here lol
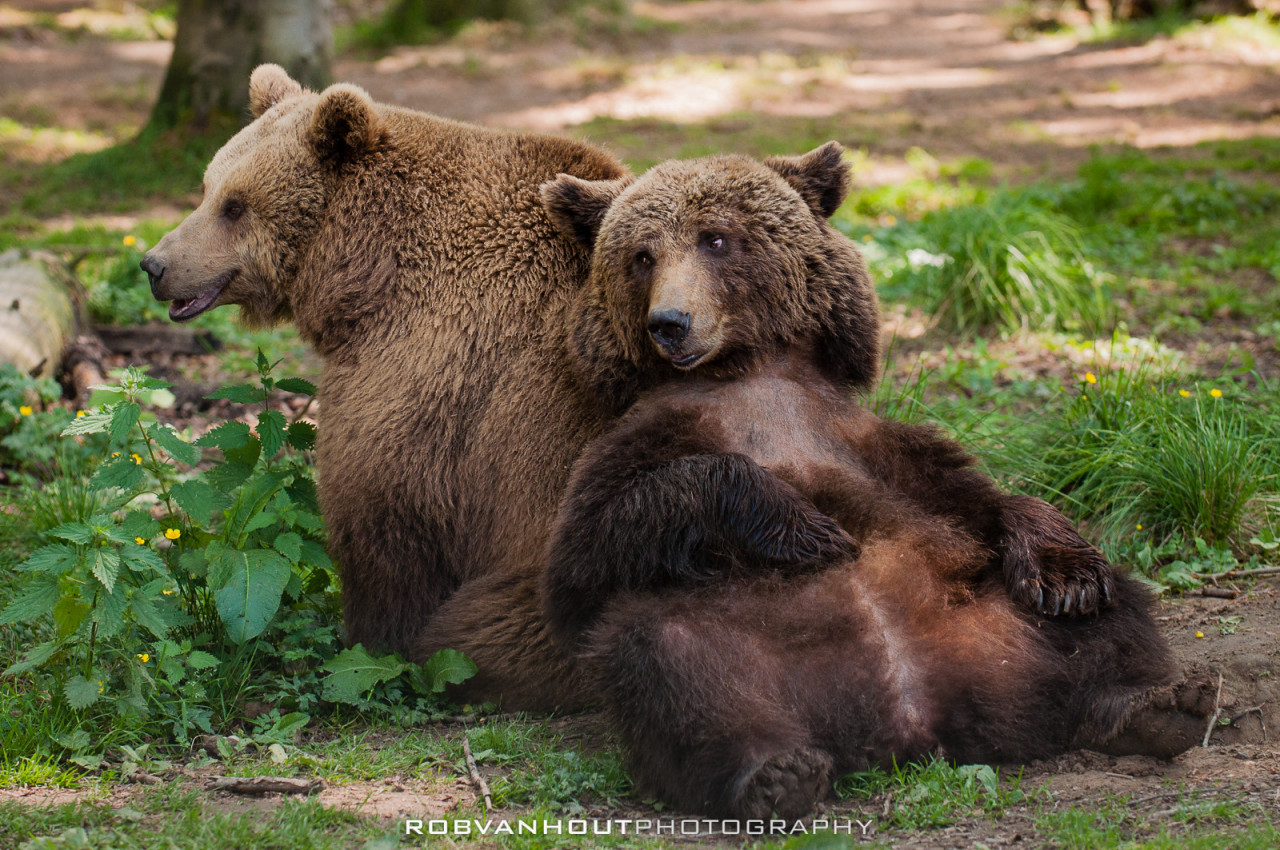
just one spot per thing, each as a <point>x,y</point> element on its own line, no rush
<point>413,253</point>
<point>770,584</point>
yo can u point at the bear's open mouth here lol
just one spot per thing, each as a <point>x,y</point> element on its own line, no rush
<point>183,309</point>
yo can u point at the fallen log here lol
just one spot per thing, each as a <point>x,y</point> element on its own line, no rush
<point>40,304</point>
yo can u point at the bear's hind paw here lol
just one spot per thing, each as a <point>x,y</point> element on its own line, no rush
<point>788,785</point>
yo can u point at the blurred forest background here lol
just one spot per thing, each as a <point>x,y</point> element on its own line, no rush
<point>1070,208</point>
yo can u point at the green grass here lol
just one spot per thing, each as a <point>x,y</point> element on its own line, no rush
<point>935,793</point>
<point>154,167</point>
<point>174,818</point>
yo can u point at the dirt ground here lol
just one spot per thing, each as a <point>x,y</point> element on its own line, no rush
<point>887,75</point>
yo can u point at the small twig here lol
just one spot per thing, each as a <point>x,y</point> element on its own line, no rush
<point>1260,571</point>
<point>1219,592</point>
<point>257,785</point>
<point>1119,775</point>
<point>1217,712</point>
<point>475,775</point>
<point>142,779</point>
<point>1261,720</point>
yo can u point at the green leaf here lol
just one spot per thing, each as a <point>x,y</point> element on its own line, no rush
<point>313,553</point>
<point>354,671</point>
<point>56,558</point>
<point>39,598</point>
<point>36,656</point>
<point>139,524</point>
<point>69,615</point>
<point>105,564</point>
<point>302,436</point>
<point>142,560</point>
<point>76,740</point>
<point>199,499</point>
<point>271,430</point>
<point>288,544</point>
<point>447,667</point>
<point>252,501</point>
<point>240,394</point>
<point>194,563</point>
<point>81,693</point>
<point>228,435</point>
<point>200,660</point>
<point>149,615</point>
<point>78,532</point>
<point>251,595</point>
<point>108,610</point>
<point>123,417</point>
<point>93,422</point>
<point>176,447</point>
<point>296,385</point>
<point>262,519</point>
<point>121,472</point>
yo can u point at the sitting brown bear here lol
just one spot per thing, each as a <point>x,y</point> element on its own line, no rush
<point>769,584</point>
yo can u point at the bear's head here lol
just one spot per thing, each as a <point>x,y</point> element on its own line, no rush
<point>713,264</point>
<point>264,193</point>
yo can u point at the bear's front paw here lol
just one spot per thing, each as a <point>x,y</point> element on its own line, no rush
<point>1058,581</point>
<point>1050,568</point>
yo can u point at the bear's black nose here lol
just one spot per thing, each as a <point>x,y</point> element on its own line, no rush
<point>154,269</point>
<point>668,327</point>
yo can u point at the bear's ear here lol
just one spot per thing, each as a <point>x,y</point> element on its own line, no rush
<point>345,125</point>
<point>821,176</point>
<point>578,206</point>
<point>268,85</point>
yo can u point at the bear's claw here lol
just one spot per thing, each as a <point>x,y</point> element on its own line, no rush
<point>1048,566</point>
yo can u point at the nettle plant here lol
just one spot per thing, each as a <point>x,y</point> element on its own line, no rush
<point>198,578</point>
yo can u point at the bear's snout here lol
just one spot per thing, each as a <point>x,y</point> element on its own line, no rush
<point>154,267</point>
<point>668,328</point>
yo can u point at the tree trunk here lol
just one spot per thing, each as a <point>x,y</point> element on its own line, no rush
<point>219,42</point>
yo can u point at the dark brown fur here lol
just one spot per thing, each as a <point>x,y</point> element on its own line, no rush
<point>770,584</point>
<point>414,254</point>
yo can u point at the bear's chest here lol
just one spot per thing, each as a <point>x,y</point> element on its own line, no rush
<point>798,434</point>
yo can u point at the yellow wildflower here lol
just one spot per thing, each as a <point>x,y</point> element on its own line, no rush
<point>1139,526</point>
<point>140,541</point>
<point>172,533</point>
<point>136,458</point>
<point>102,686</point>
<point>115,454</point>
<point>1215,392</point>
<point>79,413</point>
<point>168,591</point>
<point>25,410</point>
<point>1090,377</point>
<point>1199,634</point>
<point>130,240</point>
<point>144,657</point>
<point>1184,393</point>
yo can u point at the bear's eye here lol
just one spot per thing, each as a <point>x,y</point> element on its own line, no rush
<point>643,259</point>
<point>713,241</point>
<point>232,209</point>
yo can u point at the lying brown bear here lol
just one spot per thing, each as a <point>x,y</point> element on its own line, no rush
<point>770,584</point>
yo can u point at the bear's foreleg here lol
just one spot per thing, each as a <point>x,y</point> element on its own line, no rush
<point>1047,566</point>
<point>682,520</point>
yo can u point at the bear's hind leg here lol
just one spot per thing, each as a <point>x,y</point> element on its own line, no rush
<point>700,707</point>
